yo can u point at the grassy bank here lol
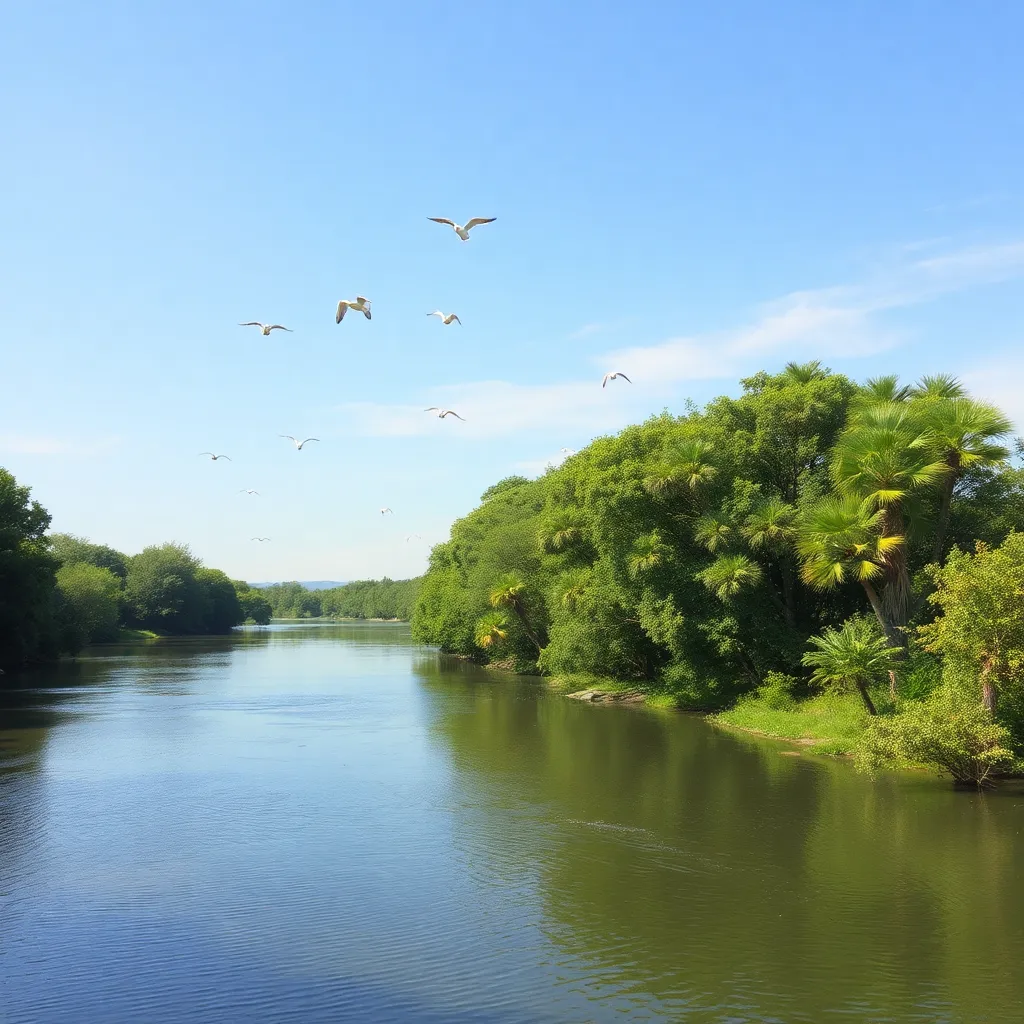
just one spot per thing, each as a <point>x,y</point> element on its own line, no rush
<point>611,690</point>
<point>830,723</point>
<point>126,635</point>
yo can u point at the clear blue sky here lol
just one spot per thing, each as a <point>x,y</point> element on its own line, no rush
<point>684,192</point>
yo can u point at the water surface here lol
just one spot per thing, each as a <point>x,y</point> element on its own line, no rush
<point>328,823</point>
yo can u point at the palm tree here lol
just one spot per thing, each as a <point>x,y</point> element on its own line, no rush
<point>729,575</point>
<point>685,467</point>
<point>712,532</point>
<point>839,539</point>
<point>648,553</point>
<point>880,460</point>
<point>854,657</point>
<point>491,629</point>
<point>938,385</point>
<point>960,432</point>
<point>559,536</point>
<point>510,593</point>
<point>571,589</point>
<point>772,527</point>
<point>804,373</point>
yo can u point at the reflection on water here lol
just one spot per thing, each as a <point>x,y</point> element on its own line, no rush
<point>323,822</point>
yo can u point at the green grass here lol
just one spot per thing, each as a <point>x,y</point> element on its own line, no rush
<point>830,723</point>
<point>126,635</point>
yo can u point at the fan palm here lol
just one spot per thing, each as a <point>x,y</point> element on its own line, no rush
<point>685,467</point>
<point>771,525</point>
<point>559,536</point>
<point>851,657</point>
<point>729,575</point>
<point>490,630</point>
<point>712,532</point>
<point>804,373</point>
<point>961,433</point>
<point>647,554</point>
<point>839,539</point>
<point>880,460</point>
<point>938,385</point>
<point>510,593</point>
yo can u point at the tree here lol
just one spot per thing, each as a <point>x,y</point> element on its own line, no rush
<point>70,549</point>
<point>221,608</point>
<point>687,467</point>
<point>162,591</point>
<point>92,601</point>
<point>491,629</point>
<point>960,433</point>
<point>981,626</point>
<point>510,593</point>
<point>852,657</point>
<point>839,540</point>
<point>730,575</point>
<point>254,604</point>
<point>28,629</point>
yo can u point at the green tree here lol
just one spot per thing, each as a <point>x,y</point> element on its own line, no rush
<point>730,575</point>
<point>28,629</point>
<point>70,549</point>
<point>254,604</point>
<point>491,630</point>
<point>510,593</point>
<point>221,608</point>
<point>853,657</point>
<point>92,601</point>
<point>162,592</point>
<point>980,630</point>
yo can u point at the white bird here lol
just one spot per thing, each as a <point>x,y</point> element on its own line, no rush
<point>441,413</point>
<point>568,451</point>
<point>266,328</point>
<point>459,229</point>
<point>215,457</point>
<point>295,441</point>
<point>615,376</point>
<point>359,304</point>
<point>446,318</point>
<point>248,490</point>
<point>260,539</point>
<point>410,537</point>
<point>385,511</point>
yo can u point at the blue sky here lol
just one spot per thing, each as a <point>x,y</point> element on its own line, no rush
<point>684,194</point>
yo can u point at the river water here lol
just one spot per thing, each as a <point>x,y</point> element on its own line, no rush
<point>329,823</point>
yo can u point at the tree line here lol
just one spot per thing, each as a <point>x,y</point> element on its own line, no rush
<point>811,532</point>
<point>59,593</point>
<point>362,599</point>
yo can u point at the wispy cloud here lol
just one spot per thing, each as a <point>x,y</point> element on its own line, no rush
<point>587,330</point>
<point>843,321</point>
<point>21,444</point>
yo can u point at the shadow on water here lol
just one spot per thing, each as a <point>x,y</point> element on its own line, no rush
<point>721,877</point>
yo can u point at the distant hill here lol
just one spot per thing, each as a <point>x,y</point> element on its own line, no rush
<point>308,584</point>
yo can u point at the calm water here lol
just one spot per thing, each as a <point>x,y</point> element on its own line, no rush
<point>328,823</point>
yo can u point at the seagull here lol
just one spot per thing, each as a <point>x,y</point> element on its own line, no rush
<point>295,441</point>
<point>215,457</point>
<point>260,539</point>
<point>248,490</point>
<point>463,232</point>
<point>614,376</point>
<point>441,413</point>
<point>265,329</point>
<point>568,451</point>
<point>446,318</point>
<point>385,511</point>
<point>410,537</point>
<point>359,304</point>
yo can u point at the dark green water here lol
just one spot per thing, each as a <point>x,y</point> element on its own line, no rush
<point>328,823</point>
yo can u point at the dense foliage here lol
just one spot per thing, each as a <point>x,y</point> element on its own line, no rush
<point>702,553</point>
<point>362,599</point>
<point>59,593</point>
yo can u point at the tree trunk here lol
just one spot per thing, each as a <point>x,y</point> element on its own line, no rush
<point>897,591</point>
<point>892,685</point>
<point>892,634</point>
<point>866,697</point>
<point>945,509</point>
<point>989,694</point>
<point>526,627</point>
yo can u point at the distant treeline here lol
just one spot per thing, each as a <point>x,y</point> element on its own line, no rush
<point>362,599</point>
<point>59,592</point>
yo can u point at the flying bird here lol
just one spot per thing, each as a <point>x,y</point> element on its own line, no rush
<point>441,413</point>
<point>260,539</point>
<point>463,232</point>
<point>410,537</point>
<point>446,318</point>
<point>295,441</point>
<point>385,511</point>
<point>215,457</point>
<point>265,329</point>
<point>615,376</point>
<point>248,490</point>
<point>359,304</point>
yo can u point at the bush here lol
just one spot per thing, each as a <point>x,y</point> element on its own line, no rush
<point>951,731</point>
<point>91,600</point>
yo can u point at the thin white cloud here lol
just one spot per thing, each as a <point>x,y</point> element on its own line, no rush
<point>587,330</point>
<point>21,444</point>
<point>838,321</point>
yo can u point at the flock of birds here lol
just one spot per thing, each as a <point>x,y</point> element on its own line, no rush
<point>361,304</point>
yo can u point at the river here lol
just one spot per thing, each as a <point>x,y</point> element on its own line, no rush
<point>329,823</point>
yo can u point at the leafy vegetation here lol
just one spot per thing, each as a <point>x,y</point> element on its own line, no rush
<point>59,593</point>
<point>362,599</point>
<point>802,531</point>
